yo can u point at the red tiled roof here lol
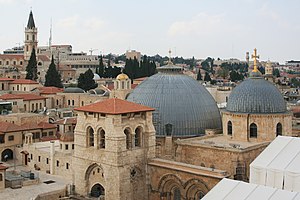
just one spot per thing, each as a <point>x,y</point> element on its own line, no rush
<point>70,120</point>
<point>24,81</point>
<point>9,127</point>
<point>10,96</point>
<point>6,79</point>
<point>134,86</point>
<point>46,125</point>
<point>43,58</point>
<point>140,79</point>
<point>34,125</point>
<point>28,97</point>
<point>12,56</point>
<point>50,90</point>
<point>114,106</point>
<point>2,167</point>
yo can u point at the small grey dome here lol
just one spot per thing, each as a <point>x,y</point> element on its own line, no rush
<point>256,95</point>
<point>182,105</point>
<point>73,90</point>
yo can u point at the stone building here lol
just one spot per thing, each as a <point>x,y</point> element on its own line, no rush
<point>114,139</point>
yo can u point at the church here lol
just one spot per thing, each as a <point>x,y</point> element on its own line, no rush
<point>166,139</point>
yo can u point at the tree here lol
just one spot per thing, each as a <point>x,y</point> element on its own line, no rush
<point>276,73</point>
<point>31,68</point>
<point>223,72</point>
<point>86,81</point>
<point>199,77</point>
<point>52,76</point>
<point>207,77</point>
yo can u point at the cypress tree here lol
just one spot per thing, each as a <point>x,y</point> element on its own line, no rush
<point>207,77</point>
<point>52,76</point>
<point>86,81</point>
<point>101,68</point>
<point>199,77</point>
<point>31,67</point>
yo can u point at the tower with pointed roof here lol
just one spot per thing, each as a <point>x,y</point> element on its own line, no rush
<point>30,37</point>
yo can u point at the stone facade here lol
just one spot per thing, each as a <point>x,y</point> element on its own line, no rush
<point>267,126</point>
<point>193,181</point>
<point>120,165</point>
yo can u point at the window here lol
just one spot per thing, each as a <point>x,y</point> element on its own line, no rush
<point>279,129</point>
<point>39,158</point>
<point>33,38</point>
<point>51,133</point>
<point>44,134</point>
<point>102,139</point>
<point>14,103</point>
<point>47,161</point>
<point>229,128</point>
<point>67,165</point>
<point>2,139</point>
<point>11,138</point>
<point>253,130</point>
<point>7,62</point>
<point>66,146</point>
<point>69,102</point>
<point>199,195</point>
<point>90,136</point>
<point>15,62</point>
<point>36,135</point>
<point>128,139</point>
<point>40,103</point>
<point>57,163</point>
<point>31,156</point>
<point>56,102</point>
<point>73,102</point>
<point>1,177</point>
<point>73,146</point>
<point>60,146</point>
<point>21,63</point>
<point>176,194</point>
<point>27,37</point>
<point>137,137</point>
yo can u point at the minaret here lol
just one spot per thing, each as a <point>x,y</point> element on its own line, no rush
<point>30,37</point>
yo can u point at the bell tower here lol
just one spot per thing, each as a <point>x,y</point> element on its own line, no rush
<point>30,37</point>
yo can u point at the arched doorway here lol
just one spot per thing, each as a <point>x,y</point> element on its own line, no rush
<point>97,191</point>
<point>7,154</point>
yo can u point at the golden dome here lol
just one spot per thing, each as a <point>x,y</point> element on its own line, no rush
<point>122,76</point>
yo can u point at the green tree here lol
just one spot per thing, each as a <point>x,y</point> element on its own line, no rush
<point>31,67</point>
<point>52,76</point>
<point>207,77</point>
<point>199,77</point>
<point>223,72</point>
<point>86,80</point>
<point>276,73</point>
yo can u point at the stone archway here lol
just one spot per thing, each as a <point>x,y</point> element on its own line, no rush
<point>7,154</point>
<point>94,175</point>
<point>97,191</point>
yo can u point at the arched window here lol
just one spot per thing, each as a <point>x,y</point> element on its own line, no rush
<point>199,195</point>
<point>279,129</point>
<point>90,134</point>
<point>1,177</point>
<point>128,138</point>
<point>176,194</point>
<point>138,137</point>
<point>253,130</point>
<point>229,128</point>
<point>102,139</point>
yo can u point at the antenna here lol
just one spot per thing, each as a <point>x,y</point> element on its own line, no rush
<point>50,38</point>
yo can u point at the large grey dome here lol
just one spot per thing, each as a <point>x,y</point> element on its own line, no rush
<point>178,100</point>
<point>256,95</point>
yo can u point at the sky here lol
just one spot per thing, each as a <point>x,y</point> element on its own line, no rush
<point>200,28</point>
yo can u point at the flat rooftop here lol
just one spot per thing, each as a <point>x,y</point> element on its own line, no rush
<point>32,191</point>
<point>219,141</point>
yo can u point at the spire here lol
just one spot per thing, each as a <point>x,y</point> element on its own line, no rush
<point>30,23</point>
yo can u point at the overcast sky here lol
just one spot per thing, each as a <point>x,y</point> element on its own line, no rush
<point>200,28</point>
